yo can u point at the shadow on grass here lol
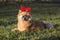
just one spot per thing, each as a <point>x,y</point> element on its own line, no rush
<point>51,38</point>
<point>56,25</point>
<point>2,23</point>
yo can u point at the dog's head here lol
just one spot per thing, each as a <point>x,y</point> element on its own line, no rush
<point>24,13</point>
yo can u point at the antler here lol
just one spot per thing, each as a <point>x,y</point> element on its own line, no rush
<point>28,9</point>
<point>22,7</point>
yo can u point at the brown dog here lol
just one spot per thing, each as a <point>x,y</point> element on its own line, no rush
<point>25,22</point>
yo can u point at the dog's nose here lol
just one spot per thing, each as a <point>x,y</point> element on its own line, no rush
<point>25,17</point>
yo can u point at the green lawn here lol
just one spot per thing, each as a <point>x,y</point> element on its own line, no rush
<point>42,12</point>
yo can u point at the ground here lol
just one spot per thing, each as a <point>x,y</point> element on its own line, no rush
<point>42,12</point>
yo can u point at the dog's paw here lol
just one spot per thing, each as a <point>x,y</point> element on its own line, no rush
<point>15,29</point>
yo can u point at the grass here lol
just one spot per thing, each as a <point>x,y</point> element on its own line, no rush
<point>42,12</point>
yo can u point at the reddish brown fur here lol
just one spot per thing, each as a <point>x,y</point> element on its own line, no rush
<point>28,25</point>
<point>23,25</point>
<point>37,25</point>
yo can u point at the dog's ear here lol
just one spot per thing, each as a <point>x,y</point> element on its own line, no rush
<point>19,11</point>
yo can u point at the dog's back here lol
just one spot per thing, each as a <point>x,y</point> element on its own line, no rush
<point>35,24</point>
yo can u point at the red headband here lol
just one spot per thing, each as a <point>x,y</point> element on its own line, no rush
<point>23,8</point>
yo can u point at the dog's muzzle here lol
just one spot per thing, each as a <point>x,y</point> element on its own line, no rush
<point>26,18</point>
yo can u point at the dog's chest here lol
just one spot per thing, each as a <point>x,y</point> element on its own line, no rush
<point>22,26</point>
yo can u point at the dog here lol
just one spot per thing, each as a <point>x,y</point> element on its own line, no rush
<point>25,22</point>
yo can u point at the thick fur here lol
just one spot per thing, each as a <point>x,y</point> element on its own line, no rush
<point>30,24</point>
<point>36,24</point>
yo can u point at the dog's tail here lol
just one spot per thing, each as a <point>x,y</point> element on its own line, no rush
<point>49,25</point>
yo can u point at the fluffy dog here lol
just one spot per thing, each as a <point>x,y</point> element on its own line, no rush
<point>25,22</point>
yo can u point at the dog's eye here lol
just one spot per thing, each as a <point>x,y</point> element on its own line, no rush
<point>24,16</point>
<point>28,16</point>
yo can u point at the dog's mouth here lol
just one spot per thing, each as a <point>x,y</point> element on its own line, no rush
<point>26,18</point>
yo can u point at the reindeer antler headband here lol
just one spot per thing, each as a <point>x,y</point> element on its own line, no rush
<point>25,9</point>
